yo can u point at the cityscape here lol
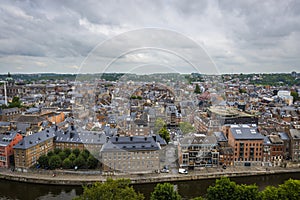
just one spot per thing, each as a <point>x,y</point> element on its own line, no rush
<point>162,100</point>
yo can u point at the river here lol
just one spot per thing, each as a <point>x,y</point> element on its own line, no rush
<point>187,189</point>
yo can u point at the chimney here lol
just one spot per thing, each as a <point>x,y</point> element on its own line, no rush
<point>154,137</point>
<point>117,138</point>
<point>131,138</point>
<point>145,138</point>
<point>71,134</point>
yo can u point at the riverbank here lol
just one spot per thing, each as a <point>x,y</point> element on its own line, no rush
<point>80,178</point>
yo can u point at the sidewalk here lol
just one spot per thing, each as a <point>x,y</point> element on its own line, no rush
<point>65,177</point>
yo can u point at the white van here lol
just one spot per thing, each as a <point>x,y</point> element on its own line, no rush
<point>182,171</point>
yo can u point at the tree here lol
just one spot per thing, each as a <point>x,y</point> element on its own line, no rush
<point>164,191</point>
<point>186,127</point>
<point>246,192</point>
<point>54,162</point>
<point>62,155</point>
<point>67,151</point>
<point>158,124</point>
<point>295,96</point>
<point>72,157</point>
<point>76,152</point>
<point>50,153</point>
<point>92,162</point>
<point>110,190</point>
<point>15,103</point>
<point>269,193</point>
<point>67,163</point>
<point>79,162</point>
<point>290,190</point>
<point>224,189</point>
<point>43,161</point>
<point>57,151</point>
<point>163,132</point>
<point>197,89</point>
<point>85,154</point>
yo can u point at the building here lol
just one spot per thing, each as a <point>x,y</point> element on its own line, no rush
<point>31,147</point>
<point>247,143</point>
<point>7,141</point>
<point>226,152</point>
<point>73,139</point>
<point>198,150</point>
<point>9,114</point>
<point>295,145</point>
<point>134,154</point>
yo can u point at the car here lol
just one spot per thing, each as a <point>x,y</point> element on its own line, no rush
<point>164,171</point>
<point>182,171</point>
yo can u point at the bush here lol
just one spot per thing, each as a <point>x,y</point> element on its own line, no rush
<point>76,152</point>
<point>79,162</point>
<point>62,155</point>
<point>67,164</point>
<point>67,152</point>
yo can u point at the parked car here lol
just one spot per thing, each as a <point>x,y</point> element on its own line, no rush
<point>182,171</point>
<point>165,169</point>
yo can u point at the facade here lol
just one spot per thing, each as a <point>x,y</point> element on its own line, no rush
<point>247,143</point>
<point>198,150</point>
<point>31,147</point>
<point>7,141</point>
<point>295,145</point>
<point>9,114</point>
<point>134,154</point>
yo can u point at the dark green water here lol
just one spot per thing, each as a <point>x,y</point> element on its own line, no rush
<point>190,189</point>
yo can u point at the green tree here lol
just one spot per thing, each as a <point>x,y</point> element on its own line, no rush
<point>290,190</point>
<point>62,155</point>
<point>67,164</point>
<point>57,151</point>
<point>110,190</point>
<point>197,89</point>
<point>164,191</point>
<point>159,124</point>
<point>247,192</point>
<point>15,103</point>
<point>163,132</point>
<point>224,189</point>
<point>50,153</point>
<point>67,151</point>
<point>54,162</point>
<point>92,162</point>
<point>295,96</point>
<point>43,161</point>
<point>85,154</point>
<point>72,157</point>
<point>79,162</point>
<point>269,193</point>
<point>186,127</point>
<point>76,152</point>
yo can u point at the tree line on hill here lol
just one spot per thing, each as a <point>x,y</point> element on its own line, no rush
<point>224,189</point>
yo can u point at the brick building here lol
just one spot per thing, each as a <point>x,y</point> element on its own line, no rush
<point>7,141</point>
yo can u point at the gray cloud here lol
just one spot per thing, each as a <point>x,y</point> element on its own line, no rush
<point>240,36</point>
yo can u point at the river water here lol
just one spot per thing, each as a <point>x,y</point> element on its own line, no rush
<point>187,189</point>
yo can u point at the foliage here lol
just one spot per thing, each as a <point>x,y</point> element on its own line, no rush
<point>289,190</point>
<point>295,96</point>
<point>163,132</point>
<point>186,127</point>
<point>224,189</point>
<point>68,159</point>
<point>246,192</point>
<point>76,152</point>
<point>197,89</point>
<point>164,191</point>
<point>15,103</point>
<point>110,190</point>
<point>43,161</point>
<point>92,162</point>
<point>79,161</point>
<point>54,162</point>
<point>67,163</point>
<point>159,124</point>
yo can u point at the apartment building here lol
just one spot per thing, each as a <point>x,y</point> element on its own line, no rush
<point>30,148</point>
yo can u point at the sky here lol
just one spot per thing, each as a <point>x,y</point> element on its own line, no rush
<point>149,36</point>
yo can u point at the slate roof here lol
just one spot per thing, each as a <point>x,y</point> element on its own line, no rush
<point>295,134</point>
<point>5,139</point>
<point>198,139</point>
<point>244,132</point>
<point>284,136</point>
<point>85,137</point>
<point>34,139</point>
<point>29,119</point>
<point>220,137</point>
<point>132,143</point>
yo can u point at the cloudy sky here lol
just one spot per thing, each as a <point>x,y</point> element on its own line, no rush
<point>91,36</point>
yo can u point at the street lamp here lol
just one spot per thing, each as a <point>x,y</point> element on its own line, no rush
<point>5,92</point>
